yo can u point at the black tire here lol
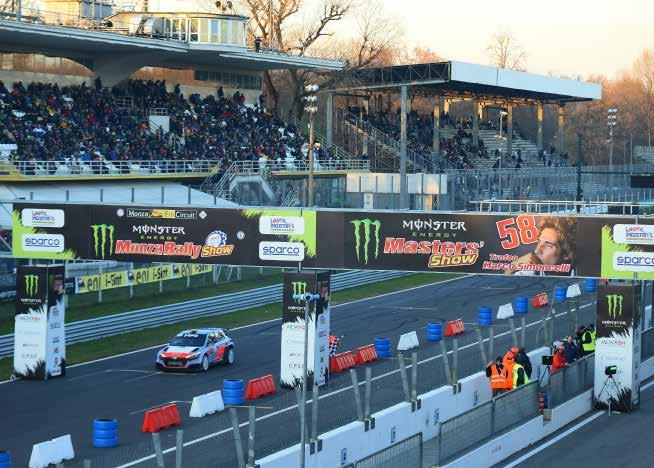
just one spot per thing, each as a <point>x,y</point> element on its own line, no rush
<point>204,365</point>
<point>228,357</point>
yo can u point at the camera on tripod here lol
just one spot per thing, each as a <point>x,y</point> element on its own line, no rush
<point>547,360</point>
<point>610,370</point>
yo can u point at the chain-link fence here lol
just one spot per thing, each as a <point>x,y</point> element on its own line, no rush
<point>404,454</point>
<point>571,380</point>
<point>459,434</point>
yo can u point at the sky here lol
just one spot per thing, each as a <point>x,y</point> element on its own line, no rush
<point>565,37</point>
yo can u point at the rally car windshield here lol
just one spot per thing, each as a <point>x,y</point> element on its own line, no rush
<point>188,340</point>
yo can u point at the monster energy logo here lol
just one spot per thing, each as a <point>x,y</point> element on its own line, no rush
<point>31,285</point>
<point>299,288</point>
<point>367,223</point>
<point>103,235</point>
<point>614,302</point>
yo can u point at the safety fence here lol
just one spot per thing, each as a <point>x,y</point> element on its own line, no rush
<point>647,344</point>
<point>404,454</point>
<point>571,380</point>
<point>488,420</point>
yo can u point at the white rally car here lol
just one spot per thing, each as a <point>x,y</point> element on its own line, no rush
<point>196,349</point>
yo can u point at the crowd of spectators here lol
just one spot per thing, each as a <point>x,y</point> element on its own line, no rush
<point>77,124</point>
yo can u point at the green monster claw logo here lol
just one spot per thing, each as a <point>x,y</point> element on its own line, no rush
<point>614,302</point>
<point>31,285</point>
<point>299,287</point>
<point>101,234</point>
<point>366,233</point>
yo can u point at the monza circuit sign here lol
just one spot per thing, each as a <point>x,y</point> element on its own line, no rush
<point>525,244</point>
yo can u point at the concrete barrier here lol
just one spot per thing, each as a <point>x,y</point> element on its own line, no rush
<point>207,403</point>
<point>408,341</point>
<point>52,452</point>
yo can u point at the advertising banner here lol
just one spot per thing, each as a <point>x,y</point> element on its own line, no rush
<point>627,250</point>
<point>293,326</point>
<point>39,336</point>
<point>144,234</point>
<point>617,345</point>
<point>154,274</point>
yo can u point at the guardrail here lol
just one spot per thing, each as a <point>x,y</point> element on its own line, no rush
<point>86,330</point>
<point>104,168</point>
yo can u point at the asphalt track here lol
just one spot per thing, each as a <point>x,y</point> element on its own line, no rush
<point>125,386</point>
<point>619,440</point>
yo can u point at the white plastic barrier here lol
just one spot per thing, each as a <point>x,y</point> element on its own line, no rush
<point>52,452</point>
<point>573,291</point>
<point>351,442</point>
<point>408,341</point>
<point>505,311</point>
<point>208,403</point>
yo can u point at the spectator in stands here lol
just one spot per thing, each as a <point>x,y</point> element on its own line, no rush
<point>497,376</point>
<point>558,361</point>
<point>257,44</point>
<point>571,350</point>
<point>523,359</point>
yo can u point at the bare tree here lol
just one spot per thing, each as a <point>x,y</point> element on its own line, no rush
<point>504,51</point>
<point>644,72</point>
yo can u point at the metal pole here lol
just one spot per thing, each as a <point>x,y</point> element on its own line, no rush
<point>491,341</point>
<point>100,284</point>
<point>156,441</point>
<point>303,409</point>
<point>455,360</point>
<point>523,330</point>
<point>414,376</point>
<point>480,339</point>
<point>403,144</point>
<point>19,10</point>
<point>87,463</point>
<point>237,437</point>
<point>179,449</point>
<point>310,188</point>
<point>513,333</point>
<point>366,409</point>
<point>315,398</point>
<point>357,395</point>
<point>405,380</point>
<point>252,421</point>
<point>446,363</point>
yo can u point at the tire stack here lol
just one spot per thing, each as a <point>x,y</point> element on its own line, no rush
<point>105,433</point>
<point>484,316</point>
<point>434,331</point>
<point>5,459</point>
<point>233,392</point>
<point>521,304</point>
<point>383,347</point>
<point>560,294</point>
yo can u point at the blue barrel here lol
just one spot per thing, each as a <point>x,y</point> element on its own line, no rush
<point>434,331</point>
<point>233,392</point>
<point>383,347</point>
<point>105,433</point>
<point>560,293</point>
<point>590,284</point>
<point>5,459</point>
<point>521,304</point>
<point>484,315</point>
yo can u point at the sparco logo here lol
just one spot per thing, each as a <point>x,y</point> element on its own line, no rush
<point>365,225</point>
<point>103,240</point>
<point>299,288</point>
<point>31,285</point>
<point>614,302</point>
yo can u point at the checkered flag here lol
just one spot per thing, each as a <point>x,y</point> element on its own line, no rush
<point>333,345</point>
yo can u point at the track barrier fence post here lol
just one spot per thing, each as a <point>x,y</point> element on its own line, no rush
<point>366,411</point>
<point>156,442</point>
<point>446,363</point>
<point>233,416</point>
<point>179,449</point>
<point>455,362</point>
<point>87,463</point>
<point>414,377</point>
<point>315,399</point>
<point>482,349</point>
<point>251,434</point>
<point>491,341</point>
<point>405,380</point>
<point>514,335</point>
<point>357,394</point>
<point>523,331</point>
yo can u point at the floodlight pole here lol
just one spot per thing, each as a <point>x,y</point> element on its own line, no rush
<point>310,192</point>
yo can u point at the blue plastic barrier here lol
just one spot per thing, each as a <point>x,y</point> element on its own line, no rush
<point>484,315</point>
<point>521,305</point>
<point>560,293</point>
<point>105,433</point>
<point>434,331</point>
<point>233,392</point>
<point>590,284</point>
<point>383,347</point>
<point>5,459</point>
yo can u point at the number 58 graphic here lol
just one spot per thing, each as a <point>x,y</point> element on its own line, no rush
<point>517,231</point>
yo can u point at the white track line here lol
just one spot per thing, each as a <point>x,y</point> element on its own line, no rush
<point>262,323</point>
<point>327,395</point>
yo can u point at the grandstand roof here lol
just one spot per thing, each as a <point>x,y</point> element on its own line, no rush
<point>83,45</point>
<point>466,80</point>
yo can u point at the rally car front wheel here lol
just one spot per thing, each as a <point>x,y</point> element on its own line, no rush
<point>229,357</point>
<point>204,366</point>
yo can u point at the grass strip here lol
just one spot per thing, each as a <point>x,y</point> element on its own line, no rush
<point>90,350</point>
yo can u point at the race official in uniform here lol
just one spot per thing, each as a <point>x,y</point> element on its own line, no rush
<point>497,376</point>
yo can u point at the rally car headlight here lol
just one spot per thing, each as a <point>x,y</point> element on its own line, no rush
<point>194,356</point>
